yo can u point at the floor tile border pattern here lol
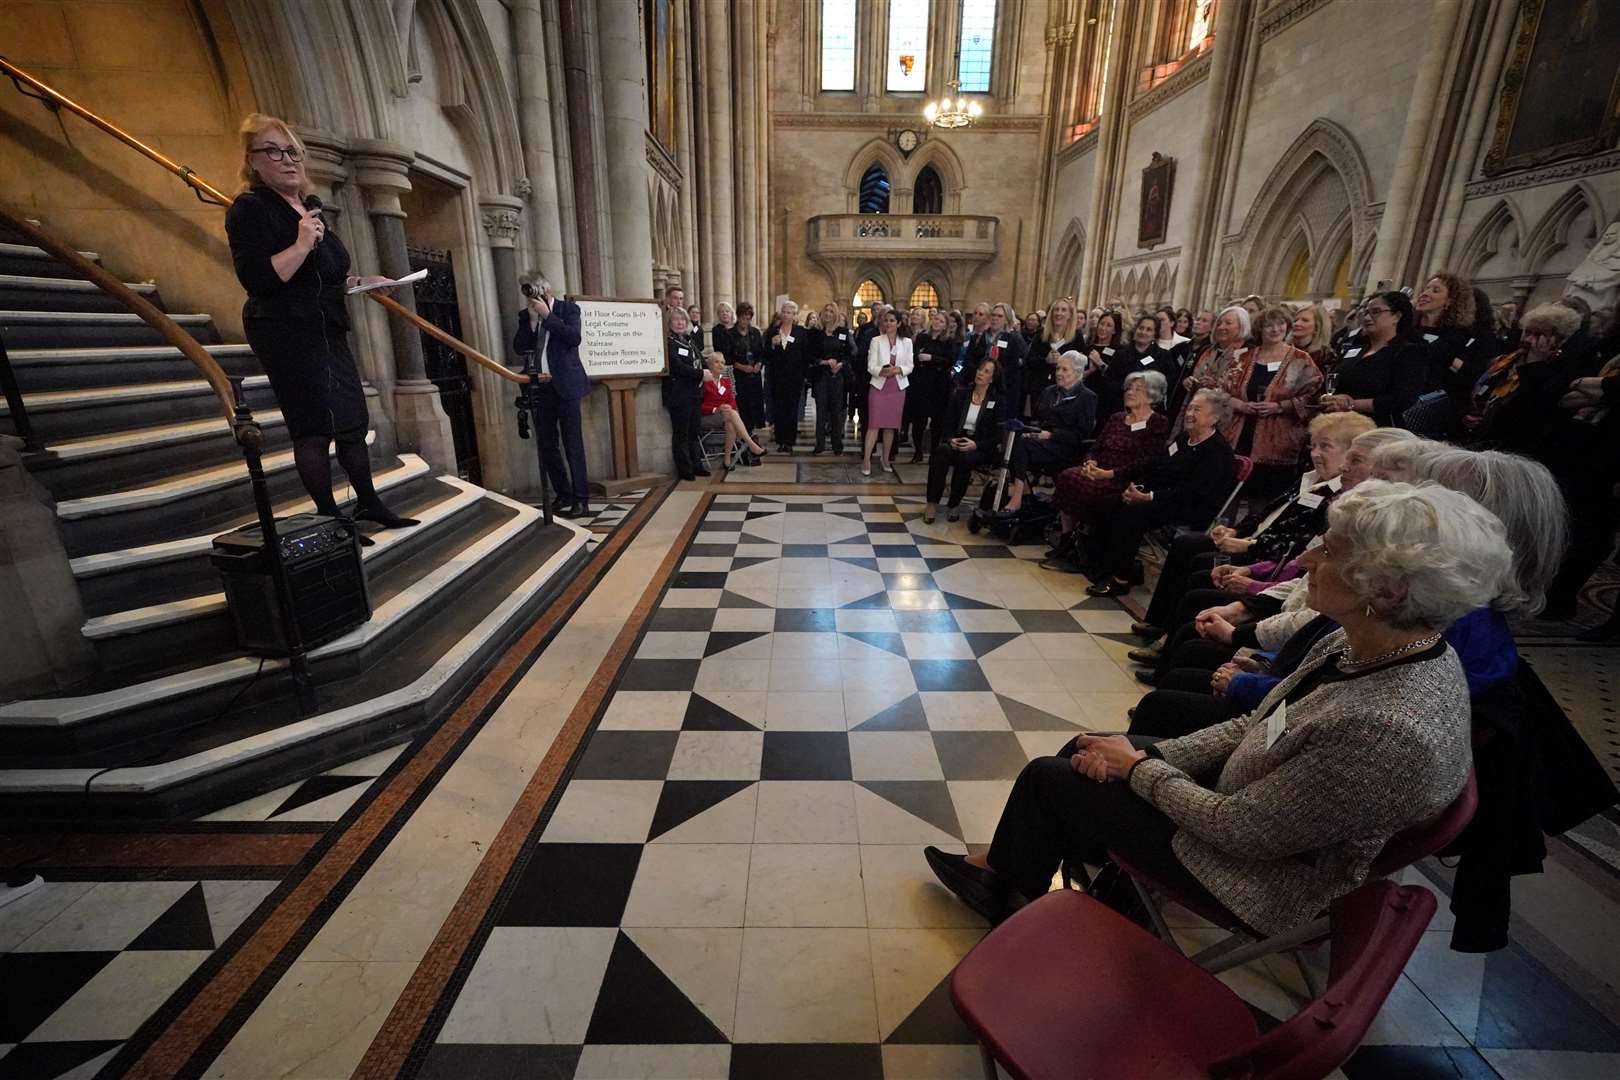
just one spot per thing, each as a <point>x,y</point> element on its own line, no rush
<point>184,1036</point>
<point>172,855</point>
<point>402,1043</point>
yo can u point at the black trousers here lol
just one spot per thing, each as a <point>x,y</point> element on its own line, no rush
<point>1037,456</point>
<point>1113,542</point>
<point>1186,649</point>
<point>750,398</point>
<point>830,394</point>
<point>1169,713</point>
<point>1054,813</point>
<point>685,428</point>
<point>1188,561</point>
<point>557,415</point>
<point>946,459</point>
<point>787,381</point>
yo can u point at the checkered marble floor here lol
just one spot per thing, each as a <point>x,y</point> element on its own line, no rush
<point>731,883</point>
<point>325,797</point>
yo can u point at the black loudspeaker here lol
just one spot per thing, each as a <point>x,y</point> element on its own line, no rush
<point>324,573</point>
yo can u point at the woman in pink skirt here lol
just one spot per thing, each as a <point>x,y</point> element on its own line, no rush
<point>888,361</point>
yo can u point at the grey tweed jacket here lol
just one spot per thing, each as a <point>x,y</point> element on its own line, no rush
<point>1280,832</point>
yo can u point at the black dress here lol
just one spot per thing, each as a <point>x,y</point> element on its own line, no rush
<point>298,328</point>
<point>1038,374</point>
<point>1108,382</point>
<point>1392,377</point>
<point>929,392</point>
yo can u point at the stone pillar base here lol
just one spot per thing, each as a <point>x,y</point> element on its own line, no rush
<point>421,426</point>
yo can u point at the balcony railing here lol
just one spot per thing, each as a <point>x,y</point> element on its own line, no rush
<point>903,234</point>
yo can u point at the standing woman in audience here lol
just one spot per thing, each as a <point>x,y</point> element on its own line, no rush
<point>694,315</point>
<point>683,394</point>
<point>1208,372</point>
<point>934,358</point>
<point>1106,339</point>
<point>1274,390</point>
<point>747,355</point>
<point>1381,373</point>
<point>785,352</point>
<point>1445,315</point>
<point>722,336</point>
<point>1313,334</point>
<point>1140,352</point>
<point>888,364</point>
<point>1171,341</point>
<point>1060,335</point>
<point>1184,323</point>
<point>831,350</point>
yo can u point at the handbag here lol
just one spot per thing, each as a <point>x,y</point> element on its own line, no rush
<point>1430,415</point>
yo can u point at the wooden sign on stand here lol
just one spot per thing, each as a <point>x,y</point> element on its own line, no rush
<point>622,346</point>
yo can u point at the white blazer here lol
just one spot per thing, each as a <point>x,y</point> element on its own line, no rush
<point>877,358</point>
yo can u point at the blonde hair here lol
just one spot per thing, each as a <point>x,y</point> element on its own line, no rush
<point>1054,334</point>
<point>1341,427</point>
<point>1323,334</point>
<point>255,124</point>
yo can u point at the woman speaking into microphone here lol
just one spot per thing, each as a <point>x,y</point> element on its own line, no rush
<point>296,274</point>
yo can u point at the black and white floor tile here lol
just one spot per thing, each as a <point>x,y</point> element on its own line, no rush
<point>83,964</point>
<point>324,797</point>
<point>731,883</point>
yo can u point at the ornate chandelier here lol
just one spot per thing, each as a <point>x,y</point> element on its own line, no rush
<point>952,110</point>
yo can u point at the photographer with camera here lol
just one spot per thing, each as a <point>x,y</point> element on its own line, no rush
<point>550,328</point>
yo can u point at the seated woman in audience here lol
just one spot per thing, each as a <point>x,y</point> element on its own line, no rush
<point>720,408</point>
<point>1209,367</point>
<point>1312,333</point>
<point>1274,388</point>
<point>1277,532</point>
<point>1139,352</point>
<point>1185,485</point>
<point>1382,372</point>
<point>1516,400</point>
<point>1127,445</point>
<point>1513,488</point>
<point>1273,815</point>
<point>1059,335</point>
<point>972,440</point>
<point>1065,416</point>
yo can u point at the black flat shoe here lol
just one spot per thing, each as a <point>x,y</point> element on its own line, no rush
<point>1147,677</point>
<point>1061,565</point>
<point>1146,630</point>
<point>1145,656</point>
<point>1111,587</point>
<point>979,889</point>
<point>379,514</point>
<point>702,472</point>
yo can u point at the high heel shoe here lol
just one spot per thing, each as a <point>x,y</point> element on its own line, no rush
<point>379,514</point>
<point>866,468</point>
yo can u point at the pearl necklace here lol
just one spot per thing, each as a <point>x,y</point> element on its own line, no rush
<point>1346,663</point>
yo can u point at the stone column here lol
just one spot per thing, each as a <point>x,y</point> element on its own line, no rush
<point>747,164</point>
<point>1425,104</point>
<point>576,45</point>
<point>1110,145</point>
<point>509,462</point>
<point>624,108</point>
<point>534,127</point>
<point>381,169</point>
<point>502,218</point>
<point>1231,23</point>
<point>685,152</point>
<point>721,207</point>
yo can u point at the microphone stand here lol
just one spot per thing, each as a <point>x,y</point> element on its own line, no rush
<point>528,408</point>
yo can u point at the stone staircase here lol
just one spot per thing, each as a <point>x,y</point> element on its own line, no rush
<point>176,721</point>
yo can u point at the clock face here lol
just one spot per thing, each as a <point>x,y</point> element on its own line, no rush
<point>907,140</point>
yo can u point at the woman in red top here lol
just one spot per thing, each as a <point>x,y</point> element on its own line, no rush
<point>720,408</point>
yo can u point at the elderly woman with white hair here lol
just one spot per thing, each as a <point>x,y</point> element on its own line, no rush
<point>1517,398</point>
<point>1185,485</point>
<point>1064,417</point>
<point>787,352</point>
<point>1208,369</point>
<point>1274,814</point>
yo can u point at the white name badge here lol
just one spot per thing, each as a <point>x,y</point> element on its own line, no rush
<point>1348,353</point>
<point>1469,344</point>
<point>1336,484</point>
<point>788,340</point>
<point>1171,452</point>
<point>1310,500</point>
<point>681,350</point>
<point>1431,338</point>
<point>1140,425</point>
<point>1274,367</point>
<point>1108,352</point>
<point>1001,343</point>
<point>989,405</point>
<point>842,336</point>
<point>1146,361</point>
<point>1276,724</point>
<point>925,356</point>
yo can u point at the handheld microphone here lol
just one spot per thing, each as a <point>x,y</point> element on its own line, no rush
<point>313,202</point>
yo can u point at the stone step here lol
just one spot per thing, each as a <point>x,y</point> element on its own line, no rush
<point>111,462</point>
<point>64,329</point>
<point>29,292</point>
<point>103,366</point>
<point>63,414</point>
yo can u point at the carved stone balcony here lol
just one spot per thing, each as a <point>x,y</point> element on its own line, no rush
<point>902,248</point>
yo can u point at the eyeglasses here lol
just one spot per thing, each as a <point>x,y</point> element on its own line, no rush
<point>276,153</point>
<point>1369,312</point>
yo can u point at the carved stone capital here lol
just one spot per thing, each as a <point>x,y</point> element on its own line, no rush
<point>382,169</point>
<point>502,218</point>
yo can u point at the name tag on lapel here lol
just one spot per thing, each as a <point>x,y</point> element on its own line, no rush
<point>1348,353</point>
<point>1171,452</point>
<point>1274,367</point>
<point>1001,343</point>
<point>1310,500</point>
<point>1431,338</point>
<point>1108,352</point>
<point>682,351</point>
<point>1146,361</point>
<point>1141,425</point>
<point>1276,724</point>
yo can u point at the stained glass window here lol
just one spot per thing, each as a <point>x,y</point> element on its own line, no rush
<point>867,293</point>
<point>908,45</point>
<point>924,295</point>
<point>978,37</point>
<point>838,44</point>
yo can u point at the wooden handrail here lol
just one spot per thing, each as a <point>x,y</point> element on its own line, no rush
<point>439,335</point>
<point>32,87</point>
<point>135,302</point>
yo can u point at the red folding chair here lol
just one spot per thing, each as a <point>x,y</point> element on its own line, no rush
<point>1067,988</point>
<point>1244,944</point>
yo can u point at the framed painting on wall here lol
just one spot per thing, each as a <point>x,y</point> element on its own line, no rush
<point>1158,182</point>
<point>1561,90</point>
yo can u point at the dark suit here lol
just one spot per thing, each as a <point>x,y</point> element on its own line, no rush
<point>1007,349</point>
<point>559,335</point>
<point>683,397</point>
<point>784,370</point>
<point>986,435</point>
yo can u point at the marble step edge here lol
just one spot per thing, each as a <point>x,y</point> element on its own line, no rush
<point>174,488</point>
<point>147,779</point>
<point>24,281</point>
<point>97,318</point>
<point>134,440</point>
<point>152,616</point>
<point>410,467</point>
<point>43,401</point>
<point>66,712</point>
<point>79,354</point>
<point>29,251</point>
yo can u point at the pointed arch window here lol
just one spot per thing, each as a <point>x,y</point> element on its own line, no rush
<point>838,44</point>
<point>875,190</point>
<point>924,295</point>
<point>928,193</point>
<point>868,293</point>
<point>976,45</point>
<point>907,68</point>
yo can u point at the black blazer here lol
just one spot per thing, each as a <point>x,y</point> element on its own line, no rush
<point>1194,479</point>
<point>1070,415</point>
<point>1038,374</point>
<point>562,329</point>
<point>261,223</point>
<point>987,427</point>
<point>1008,347</point>
<point>787,364</point>
<point>838,344</point>
<point>684,383</point>
<point>1392,377</point>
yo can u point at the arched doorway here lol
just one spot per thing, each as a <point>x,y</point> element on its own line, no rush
<point>875,190</point>
<point>928,193</point>
<point>867,293</point>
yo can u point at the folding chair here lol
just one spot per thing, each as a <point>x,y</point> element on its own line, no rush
<point>1068,988</point>
<point>713,445</point>
<point>1159,539</point>
<point>1244,944</point>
